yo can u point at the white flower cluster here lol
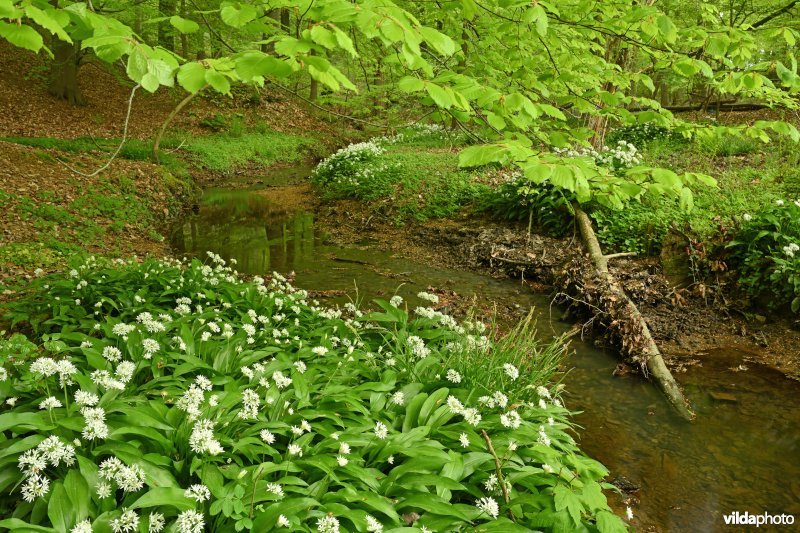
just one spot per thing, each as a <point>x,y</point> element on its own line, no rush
<point>790,249</point>
<point>622,156</point>
<point>46,367</point>
<point>32,463</point>
<point>127,478</point>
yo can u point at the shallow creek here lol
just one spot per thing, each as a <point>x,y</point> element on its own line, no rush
<point>742,453</point>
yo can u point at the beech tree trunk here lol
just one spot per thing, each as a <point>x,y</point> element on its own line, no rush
<point>166,34</point>
<point>651,357</point>
<point>64,72</point>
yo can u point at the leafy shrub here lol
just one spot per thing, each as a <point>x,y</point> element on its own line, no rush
<point>419,184</point>
<point>172,393</point>
<point>642,134</point>
<point>517,198</point>
<point>765,251</point>
<point>640,227</point>
<point>355,171</point>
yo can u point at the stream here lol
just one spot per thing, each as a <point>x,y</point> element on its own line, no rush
<point>742,453</point>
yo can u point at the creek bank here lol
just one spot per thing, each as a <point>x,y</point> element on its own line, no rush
<point>686,474</point>
<point>681,321</point>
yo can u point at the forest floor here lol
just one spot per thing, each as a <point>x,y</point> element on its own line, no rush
<point>52,204</point>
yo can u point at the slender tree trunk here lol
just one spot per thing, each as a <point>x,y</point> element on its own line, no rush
<point>184,37</point>
<point>314,87</point>
<point>285,19</point>
<point>166,35</point>
<point>168,121</point>
<point>64,72</point>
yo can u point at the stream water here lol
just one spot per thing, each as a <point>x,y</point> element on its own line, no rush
<point>742,453</point>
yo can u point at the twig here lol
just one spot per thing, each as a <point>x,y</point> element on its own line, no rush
<point>620,254</point>
<point>121,144</point>
<point>498,470</point>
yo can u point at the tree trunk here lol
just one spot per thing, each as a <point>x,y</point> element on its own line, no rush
<point>184,37</point>
<point>285,19</point>
<point>64,72</point>
<point>651,357</point>
<point>314,87</point>
<point>166,35</point>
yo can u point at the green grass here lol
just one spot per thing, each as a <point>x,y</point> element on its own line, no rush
<point>133,149</point>
<point>750,176</point>
<point>226,152</point>
<point>234,147</point>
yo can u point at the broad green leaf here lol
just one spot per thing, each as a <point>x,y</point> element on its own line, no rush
<point>566,499</point>
<point>410,84</point>
<point>184,25</point>
<point>47,20</point>
<point>238,16</point>
<point>253,64</point>
<point>163,496</point>
<point>218,81</point>
<point>59,508</point>
<point>608,522</point>
<point>440,42</point>
<point>22,36</point>
<point>439,95</point>
<point>77,489</point>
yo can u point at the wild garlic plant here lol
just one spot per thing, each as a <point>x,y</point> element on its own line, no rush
<point>176,396</point>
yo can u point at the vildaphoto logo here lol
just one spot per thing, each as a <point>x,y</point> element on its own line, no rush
<point>765,519</point>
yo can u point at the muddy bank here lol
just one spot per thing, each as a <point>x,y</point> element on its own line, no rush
<point>685,323</point>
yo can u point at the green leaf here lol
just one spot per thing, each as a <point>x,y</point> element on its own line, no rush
<point>77,490</point>
<point>21,36</point>
<point>8,10</point>
<point>59,508</point>
<point>433,504</point>
<point>440,42</point>
<point>192,77</point>
<point>608,522</point>
<point>149,82</point>
<point>686,68</point>
<point>479,155</point>
<point>439,95</point>
<point>159,496</point>
<point>687,200</point>
<point>566,499</point>
<point>563,176</point>
<point>46,20</point>
<point>137,65</point>
<point>238,16</point>
<point>184,25</point>
<point>288,506</point>
<point>410,84</point>
<point>253,64</point>
<point>15,524</point>
<point>218,81</point>
<point>668,30</point>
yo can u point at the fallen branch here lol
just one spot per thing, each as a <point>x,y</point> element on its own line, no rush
<point>652,360</point>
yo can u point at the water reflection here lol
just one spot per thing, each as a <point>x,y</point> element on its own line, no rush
<point>260,233</point>
<point>742,454</point>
